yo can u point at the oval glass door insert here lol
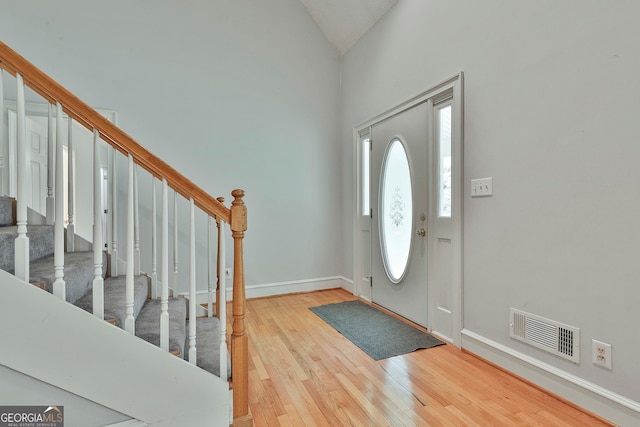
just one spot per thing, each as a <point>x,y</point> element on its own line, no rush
<point>396,211</point>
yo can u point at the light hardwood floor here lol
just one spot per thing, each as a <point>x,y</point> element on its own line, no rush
<point>304,373</point>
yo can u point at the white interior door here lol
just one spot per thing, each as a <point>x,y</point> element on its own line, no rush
<point>37,149</point>
<point>37,145</point>
<point>399,201</point>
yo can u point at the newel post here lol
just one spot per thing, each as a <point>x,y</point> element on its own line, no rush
<point>239,338</point>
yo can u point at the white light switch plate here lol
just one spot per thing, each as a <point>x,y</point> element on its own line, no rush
<point>481,187</point>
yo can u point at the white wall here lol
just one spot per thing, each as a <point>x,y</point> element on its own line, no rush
<point>233,94</point>
<point>550,114</point>
<point>22,390</point>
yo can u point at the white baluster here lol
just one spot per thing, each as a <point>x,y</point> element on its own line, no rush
<point>71,228</point>
<point>114,214</point>
<point>176,285</point>
<point>222,316</point>
<point>130,321</point>
<point>59,288</point>
<point>2,134</point>
<point>210,269</point>
<point>109,208</point>
<point>154,243</point>
<point>98,280</point>
<point>22,241</point>
<point>50,169</point>
<point>164,272</point>
<point>136,243</point>
<point>192,286</point>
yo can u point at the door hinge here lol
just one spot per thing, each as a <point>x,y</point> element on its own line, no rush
<point>370,212</point>
<point>106,211</point>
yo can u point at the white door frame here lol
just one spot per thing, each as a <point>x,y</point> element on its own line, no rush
<point>454,84</point>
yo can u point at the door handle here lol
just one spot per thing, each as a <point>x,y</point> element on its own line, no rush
<point>421,232</point>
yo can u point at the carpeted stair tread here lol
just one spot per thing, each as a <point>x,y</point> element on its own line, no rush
<point>40,244</point>
<point>115,296</point>
<point>6,211</point>
<point>207,345</point>
<point>78,273</point>
<point>148,323</point>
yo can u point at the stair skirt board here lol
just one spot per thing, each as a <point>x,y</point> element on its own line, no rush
<point>77,341</point>
<point>129,423</point>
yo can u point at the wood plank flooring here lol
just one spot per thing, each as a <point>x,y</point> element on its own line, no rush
<point>304,373</point>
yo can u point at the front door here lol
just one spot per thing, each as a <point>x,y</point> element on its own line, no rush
<point>399,202</point>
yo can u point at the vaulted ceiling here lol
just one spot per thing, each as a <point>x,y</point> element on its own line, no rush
<point>345,21</point>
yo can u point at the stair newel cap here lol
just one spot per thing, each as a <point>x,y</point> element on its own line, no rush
<point>238,212</point>
<point>216,217</point>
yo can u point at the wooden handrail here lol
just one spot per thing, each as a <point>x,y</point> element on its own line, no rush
<point>82,113</point>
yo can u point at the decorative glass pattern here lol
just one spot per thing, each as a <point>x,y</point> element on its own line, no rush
<point>397,206</point>
<point>396,211</point>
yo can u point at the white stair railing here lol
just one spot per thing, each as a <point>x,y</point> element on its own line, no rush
<point>210,288</point>
<point>193,358</point>
<point>136,242</point>
<point>176,280</point>
<point>114,214</point>
<point>154,242</point>
<point>71,179</point>
<point>22,241</point>
<point>130,322</point>
<point>164,271</point>
<point>220,267</point>
<point>98,281</point>
<point>2,139</point>
<point>50,162</point>
<point>58,251</point>
<point>222,303</point>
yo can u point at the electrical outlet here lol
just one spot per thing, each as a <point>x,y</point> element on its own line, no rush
<point>228,273</point>
<point>601,354</point>
<point>482,187</point>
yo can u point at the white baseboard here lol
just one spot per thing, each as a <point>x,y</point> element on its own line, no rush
<point>347,284</point>
<point>592,397</point>
<point>282,288</point>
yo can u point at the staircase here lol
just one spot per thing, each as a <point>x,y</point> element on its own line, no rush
<point>79,275</point>
<point>83,289</point>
